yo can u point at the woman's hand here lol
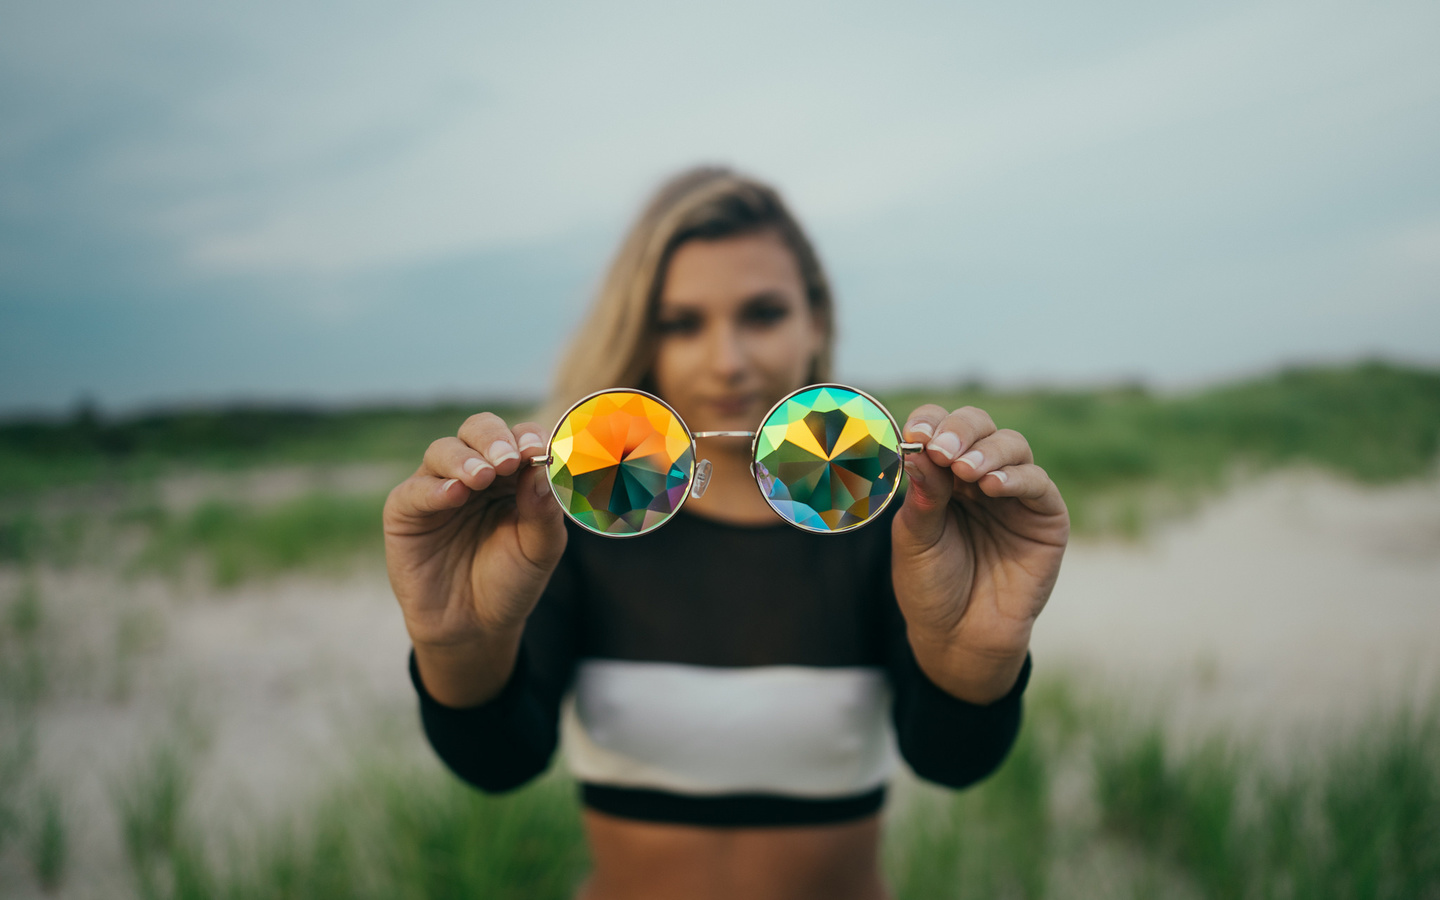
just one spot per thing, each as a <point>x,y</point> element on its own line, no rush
<point>470,542</point>
<point>977,549</point>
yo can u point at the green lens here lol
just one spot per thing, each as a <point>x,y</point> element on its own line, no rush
<point>828,458</point>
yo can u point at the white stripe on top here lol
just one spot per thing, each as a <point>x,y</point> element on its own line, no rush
<point>790,730</point>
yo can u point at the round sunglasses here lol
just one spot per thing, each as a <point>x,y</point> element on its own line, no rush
<point>827,458</point>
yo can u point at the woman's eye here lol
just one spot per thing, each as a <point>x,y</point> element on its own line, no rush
<point>678,325</point>
<point>766,314</point>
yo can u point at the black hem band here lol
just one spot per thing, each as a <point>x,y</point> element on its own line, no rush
<point>729,810</point>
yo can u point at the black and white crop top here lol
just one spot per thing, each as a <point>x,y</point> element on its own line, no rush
<point>714,674</point>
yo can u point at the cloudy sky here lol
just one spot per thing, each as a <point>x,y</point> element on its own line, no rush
<point>355,201</point>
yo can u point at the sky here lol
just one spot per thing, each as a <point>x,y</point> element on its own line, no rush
<point>360,202</point>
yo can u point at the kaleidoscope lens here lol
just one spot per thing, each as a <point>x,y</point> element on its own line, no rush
<point>827,458</point>
<point>621,462</point>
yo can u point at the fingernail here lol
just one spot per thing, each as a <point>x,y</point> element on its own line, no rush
<point>921,428</point>
<point>1000,475</point>
<point>500,451</point>
<point>542,483</point>
<point>948,443</point>
<point>529,439</point>
<point>975,459</point>
<point>448,483</point>
<point>474,465</point>
<point>912,469</point>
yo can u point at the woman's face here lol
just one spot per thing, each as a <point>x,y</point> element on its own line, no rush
<point>736,331</point>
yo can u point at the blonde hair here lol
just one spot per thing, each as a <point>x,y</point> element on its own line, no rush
<point>616,344</point>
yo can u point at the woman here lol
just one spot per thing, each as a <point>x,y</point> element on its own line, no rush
<point>731,676</point>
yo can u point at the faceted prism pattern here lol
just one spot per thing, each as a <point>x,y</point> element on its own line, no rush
<point>828,459</point>
<point>621,463</point>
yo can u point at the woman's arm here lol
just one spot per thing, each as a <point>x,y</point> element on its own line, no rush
<point>510,738</point>
<point>976,550</point>
<point>470,541</point>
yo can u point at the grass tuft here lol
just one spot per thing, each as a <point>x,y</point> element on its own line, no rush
<point>386,834</point>
<point>1361,820</point>
<point>150,802</point>
<point>314,531</point>
<point>50,841</point>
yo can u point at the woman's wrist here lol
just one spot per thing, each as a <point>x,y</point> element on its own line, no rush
<point>468,673</point>
<point>970,674</point>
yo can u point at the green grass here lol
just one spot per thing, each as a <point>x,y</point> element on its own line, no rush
<point>50,839</point>
<point>150,803</point>
<point>237,542</point>
<point>1120,455</point>
<point>388,833</point>
<point>1089,803</point>
<point>1355,816</point>
<point>1361,818</point>
<point>990,841</point>
<point>37,454</point>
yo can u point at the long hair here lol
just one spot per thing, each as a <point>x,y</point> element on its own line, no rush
<point>616,344</point>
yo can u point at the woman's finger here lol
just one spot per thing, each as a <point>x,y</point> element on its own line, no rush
<point>1026,482</point>
<point>957,432</point>
<point>489,434</point>
<point>420,496</point>
<point>450,457</point>
<point>921,425</point>
<point>529,440</point>
<point>1005,447</point>
<point>540,524</point>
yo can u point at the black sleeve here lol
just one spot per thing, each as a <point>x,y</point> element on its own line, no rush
<point>510,739</point>
<point>943,738</point>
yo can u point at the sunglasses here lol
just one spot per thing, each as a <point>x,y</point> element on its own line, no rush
<point>827,458</point>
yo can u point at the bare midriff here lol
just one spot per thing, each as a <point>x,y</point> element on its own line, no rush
<point>647,861</point>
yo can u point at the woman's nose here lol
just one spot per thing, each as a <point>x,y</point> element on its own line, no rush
<point>727,353</point>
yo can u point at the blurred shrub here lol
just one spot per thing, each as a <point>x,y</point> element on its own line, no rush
<point>39,453</point>
<point>238,542</point>
<point>1120,456</point>
<point>1111,450</point>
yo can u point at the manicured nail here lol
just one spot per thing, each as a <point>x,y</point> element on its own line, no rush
<point>500,451</point>
<point>1001,475</point>
<point>542,483</point>
<point>921,428</point>
<point>449,482</point>
<point>530,439</point>
<point>975,459</point>
<point>474,464</point>
<point>912,468</point>
<point>948,443</point>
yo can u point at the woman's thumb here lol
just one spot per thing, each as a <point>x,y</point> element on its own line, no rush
<point>923,515</point>
<point>540,523</point>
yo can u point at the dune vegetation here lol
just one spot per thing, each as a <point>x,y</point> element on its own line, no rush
<point>1099,798</point>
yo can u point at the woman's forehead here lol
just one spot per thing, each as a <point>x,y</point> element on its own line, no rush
<point>703,272</point>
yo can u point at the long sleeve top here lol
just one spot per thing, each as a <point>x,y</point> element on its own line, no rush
<point>715,674</point>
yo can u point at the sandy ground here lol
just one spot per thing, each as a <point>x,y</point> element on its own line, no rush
<point>1294,601</point>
